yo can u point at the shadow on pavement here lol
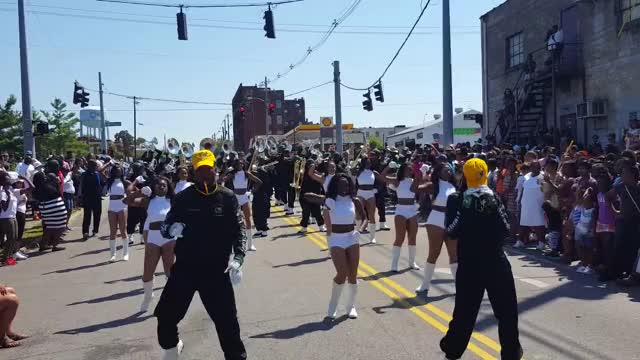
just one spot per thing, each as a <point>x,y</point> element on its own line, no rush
<point>132,319</point>
<point>303,262</point>
<point>286,236</point>
<point>113,297</point>
<point>300,330</point>
<point>129,279</point>
<point>408,303</point>
<point>83,267</point>
<point>384,274</point>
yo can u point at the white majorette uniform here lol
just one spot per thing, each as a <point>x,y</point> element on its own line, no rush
<point>116,195</point>
<point>342,212</point>
<point>436,217</point>
<point>327,180</point>
<point>404,192</point>
<point>157,211</point>
<point>366,179</point>
<point>181,185</point>
<point>240,185</point>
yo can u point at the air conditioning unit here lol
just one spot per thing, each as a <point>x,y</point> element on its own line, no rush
<point>592,109</point>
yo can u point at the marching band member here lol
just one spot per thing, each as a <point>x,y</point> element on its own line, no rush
<point>309,185</point>
<point>158,202</point>
<point>406,183</point>
<point>325,179</point>
<point>183,182</point>
<point>117,213</point>
<point>366,189</point>
<point>261,195</point>
<point>344,239</point>
<point>379,165</point>
<point>240,180</point>
<point>136,212</point>
<point>479,221</point>
<point>441,185</point>
<point>203,260</point>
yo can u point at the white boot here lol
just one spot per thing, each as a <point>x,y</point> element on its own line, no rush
<point>412,258</point>
<point>383,226</point>
<point>351,301</point>
<point>372,233</point>
<point>454,269</point>
<point>148,295</point>
<point>429,269</point>
<point>173,353</point>
<point>125,249</point>
<point>250,245</point>
<point>336,291</point>
<point>112,250</point>
<point>395,257</point>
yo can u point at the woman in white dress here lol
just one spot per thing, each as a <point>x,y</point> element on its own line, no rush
<point>117,213</point>
<point>240,180</point>
<point>531,212</point>
<point>367,191</point>
<point>441,186</point>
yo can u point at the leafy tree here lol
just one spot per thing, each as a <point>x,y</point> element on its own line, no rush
<point>63,132</point>
<point>140,141</point>
<point>10,127</point>
<point>375,143</point>
<point>126,140</point>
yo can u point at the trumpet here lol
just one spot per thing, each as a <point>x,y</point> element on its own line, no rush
<point>298,173</point>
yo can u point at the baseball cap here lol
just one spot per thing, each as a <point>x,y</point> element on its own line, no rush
<point>203,158</point>
<point>29,153</point>
<point>475,172</point>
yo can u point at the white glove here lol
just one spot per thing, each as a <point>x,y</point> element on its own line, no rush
<point>146,191</point>
<point>234,265</point>
<point>140,179</point>
<point>393,165</point>
<point>235,273</point>
<point>176,230</point>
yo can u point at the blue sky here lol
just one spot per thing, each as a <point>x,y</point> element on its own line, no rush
<point>138,53</point>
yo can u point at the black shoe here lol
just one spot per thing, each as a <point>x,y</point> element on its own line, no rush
<point>57,248</point>
<point>85,237</point>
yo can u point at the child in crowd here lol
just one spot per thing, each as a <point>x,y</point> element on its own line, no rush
<point>554,228</point>
<point>605,228</point>
<point>585,232</point>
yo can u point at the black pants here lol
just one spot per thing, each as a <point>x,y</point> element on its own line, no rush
<point>9,229</point>
<point>471,282</point>
<point>627,242</point>
<point>380,205</point>
<point>281,191</point>
<point>21,218</point>
<point>217,296</point>
<point>91,208</point>
<point>260,212</point>
<point>309,209</point>
<point>135,216</point>
<point>291,197</point>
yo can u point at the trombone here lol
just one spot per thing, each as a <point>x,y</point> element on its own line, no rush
<point>298,173</point>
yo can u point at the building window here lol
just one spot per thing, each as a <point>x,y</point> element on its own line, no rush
<point>420,135</point>
<point>279,119</point>
<point>515,50</point>
<point>278,104</point>
<point>629,10</point>
<point>377,134</point>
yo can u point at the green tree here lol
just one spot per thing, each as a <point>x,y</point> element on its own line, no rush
<point>10,127</point>
<point>126,140</point>
<point>375,143</point>
<point>63,132</point>
<point>141,141</point>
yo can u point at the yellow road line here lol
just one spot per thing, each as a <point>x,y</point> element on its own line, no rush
<point>321,241</point>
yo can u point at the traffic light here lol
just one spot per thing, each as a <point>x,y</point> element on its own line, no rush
<point>182,25</point>
<point>378,91</point>
<point>272,108</point>
<point>79,95</point>
<point>367,104</point>
<point>41,128</point>
<point>268,24</point>
<point>242,110</point>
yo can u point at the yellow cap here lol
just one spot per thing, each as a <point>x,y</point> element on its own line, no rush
<point>203,158</point>
<point>475,173</point>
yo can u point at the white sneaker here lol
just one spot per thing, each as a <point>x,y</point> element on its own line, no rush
<point>19,255</point>
<point>540,246</point>
<point>588,270</point>
<point>302,230</point>
<point>322,228</point>
<point>173,353</point>
<point>518,245</point>
<point>289,212</point>
<point>257,234</point>
<point>580,269</point>
<point>383,227</point>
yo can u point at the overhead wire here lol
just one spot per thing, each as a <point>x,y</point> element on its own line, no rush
<point>143,98</point>
<point>396,54</point>
<point>309,89</point>
<point>186,6</point>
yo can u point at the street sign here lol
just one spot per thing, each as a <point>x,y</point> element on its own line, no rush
<point>114,123</point>
<point>326,121</point>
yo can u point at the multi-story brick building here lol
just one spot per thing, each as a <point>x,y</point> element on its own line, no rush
<point>257,119</point>
<point>586,77</point>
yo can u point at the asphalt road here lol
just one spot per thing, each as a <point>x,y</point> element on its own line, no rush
<point>77,306</point>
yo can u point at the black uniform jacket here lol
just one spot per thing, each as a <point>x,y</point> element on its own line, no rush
<point>213,228</point>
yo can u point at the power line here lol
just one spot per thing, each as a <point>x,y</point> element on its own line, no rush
<point>166,110</point>
<point>311,88</point>
<point>185,6</point>
<point>397,52</point>
<point>160,99</point>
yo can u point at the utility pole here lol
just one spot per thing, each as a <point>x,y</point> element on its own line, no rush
<point>103,124</point>
<point>135,130</point>
<point>447,91</point>
<point>229,126</point>
<point>267,116</point>
<point>338,102</point>
<point>27,121</point>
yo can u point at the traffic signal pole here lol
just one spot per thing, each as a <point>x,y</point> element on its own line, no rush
<point>338,104</point>
<point>102,119</point>
<point>27,121</point>
<point>447,92</point>
<point>135,130</point>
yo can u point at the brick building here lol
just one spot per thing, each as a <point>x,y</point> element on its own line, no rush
<point>287,114</point>
<point>586,75</point>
